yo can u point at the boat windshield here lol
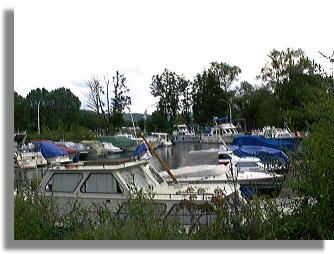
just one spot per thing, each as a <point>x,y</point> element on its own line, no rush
<point>136,176</point>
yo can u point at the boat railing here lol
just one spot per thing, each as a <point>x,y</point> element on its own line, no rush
<point>185,195</point>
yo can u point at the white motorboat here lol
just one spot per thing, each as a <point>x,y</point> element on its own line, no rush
<point>29,157</point>
<point>249,172</point>
<point>220,133</point>
<point>182,134</point>
<point>111,148</point>
<point>159,139</point>
<point>110,184</point>
<point>129,136</point>
<point>273,132</point>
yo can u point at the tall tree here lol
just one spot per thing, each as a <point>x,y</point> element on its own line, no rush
<point>109,100</point>
<point>166,86</point>
<point>65,108</point>
<point>225,74</point>
<point>22,119</point>
<point>185,98</point>
<point>120,100</point>
<point>34,97</point>
<point>211,92</point>
<point>95,100</point>
<point>282,65</point>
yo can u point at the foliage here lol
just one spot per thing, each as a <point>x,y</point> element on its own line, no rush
<point>76,134</point>
<point>22,118</point>
<point>210,92</point>
<point>108,100</point>
<point>59,108</point>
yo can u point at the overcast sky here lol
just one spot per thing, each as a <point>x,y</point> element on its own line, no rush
<point>63,43</point>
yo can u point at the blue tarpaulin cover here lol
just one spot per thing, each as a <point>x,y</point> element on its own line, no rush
<point>264,153</point>
<point>221,119</point>
<point>139,150</point>
<point>257,140</point>
<point>49,149</point>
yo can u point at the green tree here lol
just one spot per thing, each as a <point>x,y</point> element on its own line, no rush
<point>185,99</point>
<point>120,100</point>
<point>22,119</point>
<point>166,86</point>
<point>33,98</point>
<point>211,90</point>
<point>225,74</point>
<point>108,100</point>
<point>282,65</point>
<point>64,108</point>
<point>314,175</point>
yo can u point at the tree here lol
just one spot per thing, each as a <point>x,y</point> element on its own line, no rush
<point>313,172</point>
<point>33,98</point>
<point>282,65</point>
<point>225,74</point>
<point>22,119</point>
<point>65,108</point>
<point>185,99</point>
<point>211,90</point>
<point>108,106</point>
<point>95,101</point>
<point>120,99</point>
<point>167,86</point>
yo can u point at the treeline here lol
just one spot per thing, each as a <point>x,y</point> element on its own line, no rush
<point>290,82</point>
<point>59,109</point>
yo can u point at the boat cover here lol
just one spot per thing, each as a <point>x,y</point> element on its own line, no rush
<point>258,140</point>
<point>261,152</point>
<point>141,149</point>
<point>121,142</point>
<point>197,171</point>
<point>49,149</point>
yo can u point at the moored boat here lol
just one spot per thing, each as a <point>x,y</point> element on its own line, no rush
<point>248,172</point>
<point>182,134</point>
<point>221,133</point>
<point>159,139</point>
<point>83,150</point>
<point>96,148</point>
<point>110,184</point>
<point>111,148</point>
<point>51,152</point>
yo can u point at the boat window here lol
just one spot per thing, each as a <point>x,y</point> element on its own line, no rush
<point>63,182</point>
<point>101,183</point>
<point>192,214</point>
<point>140,178</point>
<point>156,175</point>
<point>246,164</point>
<point>224,156</point>
<point>149,209</point>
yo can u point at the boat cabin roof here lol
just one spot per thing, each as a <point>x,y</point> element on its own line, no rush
<point>97,165</point>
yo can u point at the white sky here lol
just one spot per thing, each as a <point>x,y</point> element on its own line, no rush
<point>63,43</point>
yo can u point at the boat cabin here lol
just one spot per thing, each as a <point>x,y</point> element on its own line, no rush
<point>272,132</point>
<point>182,130</point>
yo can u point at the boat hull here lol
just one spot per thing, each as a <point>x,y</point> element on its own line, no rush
<point>185,138</point>
<point>228,139</point>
